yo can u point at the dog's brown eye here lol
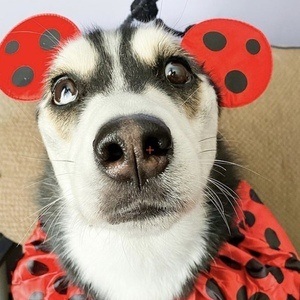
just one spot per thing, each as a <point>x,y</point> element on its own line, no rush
<point>64,91</point>
<point>177,73</point>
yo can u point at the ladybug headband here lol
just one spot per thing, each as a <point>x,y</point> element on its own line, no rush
<point>236,55</point>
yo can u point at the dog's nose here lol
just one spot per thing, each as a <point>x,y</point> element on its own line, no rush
<point>133,148</point>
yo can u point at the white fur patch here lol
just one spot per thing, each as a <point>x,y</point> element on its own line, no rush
<point>112,42</point>
<point>77,56</point>
<point>135,268</point>
<point>149,41</point>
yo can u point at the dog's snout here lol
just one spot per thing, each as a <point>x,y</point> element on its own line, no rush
<point>133,148</point>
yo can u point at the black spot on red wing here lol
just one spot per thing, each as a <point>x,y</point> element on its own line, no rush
<point>236,81</point>
<point>214,41</point>
<point>41,246</point>
<point>12,47</point>
<point>236,236</point>
<point>230,262</point>
<point>290,297</point>
<point>254,253</point>
<point>259,296</point>
<point>78,297</point>
<point>255,197</point>
<point>22,76</point>
<point>253,46</point>
<point>277,273</point>
<point>272,239</point>
<point>61,285</point>
<point>249,218</point>
<point>37,268</point>
<point>213,290</point>
<point>256,269</point>
<point>242,293</point>
<point>36,296</point>
<point>49,39</point>
<point>293,264</point>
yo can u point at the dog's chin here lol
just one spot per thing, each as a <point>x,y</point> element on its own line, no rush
<point>126,207</point>
<point>142,221</point>
<point>141,214</point>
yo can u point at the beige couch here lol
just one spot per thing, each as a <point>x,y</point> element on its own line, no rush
<point>265,134</point>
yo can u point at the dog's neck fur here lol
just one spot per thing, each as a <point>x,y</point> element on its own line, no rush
<point>158,266</point>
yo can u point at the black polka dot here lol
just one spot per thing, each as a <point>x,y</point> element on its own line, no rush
<point>253,46</point>
<point>236,236</point>
<point>255,197</point>
<point>259,296</point>
<point>12,47</point>
<point>236,81</point>
<point>254,253</point>
<point>272,239</point>
<point>41,246</point>
<point>249,218</point>
<point>36,296</point>
<point>22,76</point>
<point>293,264</point>
<point>277,273</point>
<point>230,262</point>
<point>37,268</point>
<point>242,293</point>
<point>290,297</point>
<point>49,39</point>
<point>78,297</point>
<point>214,41</point>
<point>213,290</point>
<point>61,285</point>
<point>256,269</point>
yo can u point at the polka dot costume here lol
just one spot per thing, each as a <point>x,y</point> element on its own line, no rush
<point>236,55</point>
<point>254,263</point>
<point>257,263</point>
<point>26,53</point>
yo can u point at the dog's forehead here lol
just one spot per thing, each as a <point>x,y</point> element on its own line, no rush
<point>145,42</point>
<point>78,56</point>
<point>150,41</point>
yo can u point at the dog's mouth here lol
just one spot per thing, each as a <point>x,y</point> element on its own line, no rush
<point>139,213</point>
<point>125,203</point>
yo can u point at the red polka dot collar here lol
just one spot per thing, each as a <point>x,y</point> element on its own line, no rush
<point>258,262</point>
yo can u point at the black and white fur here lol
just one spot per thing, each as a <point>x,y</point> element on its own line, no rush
<point>121,73</point>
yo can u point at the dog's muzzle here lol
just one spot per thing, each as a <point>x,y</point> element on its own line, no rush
<point>133,148</point>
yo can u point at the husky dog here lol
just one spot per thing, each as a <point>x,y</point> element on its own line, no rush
<point>136,206</point>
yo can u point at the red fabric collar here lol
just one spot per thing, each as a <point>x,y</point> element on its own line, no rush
<point>259,262</point>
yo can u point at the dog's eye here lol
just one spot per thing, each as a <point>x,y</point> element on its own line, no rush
<point>177,73</point>
<point>64,91</point>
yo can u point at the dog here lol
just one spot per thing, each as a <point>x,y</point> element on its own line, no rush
<point>132,200</point>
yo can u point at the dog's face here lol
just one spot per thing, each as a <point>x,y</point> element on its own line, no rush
<point>129,121</point>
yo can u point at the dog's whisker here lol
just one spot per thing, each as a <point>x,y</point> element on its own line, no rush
<point>208,138</point>
<point>226,192</point>
<point>181,14</point>
<point>208,150</point>
<point>243,167</point>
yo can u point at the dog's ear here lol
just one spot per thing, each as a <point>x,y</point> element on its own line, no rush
<point>236,55</point>
<point>26,53</point>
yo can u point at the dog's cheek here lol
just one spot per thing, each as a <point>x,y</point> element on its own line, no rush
<point>206,126</point>
<point>57,149</point>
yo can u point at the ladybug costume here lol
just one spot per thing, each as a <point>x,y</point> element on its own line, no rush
<point>258,261</point>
